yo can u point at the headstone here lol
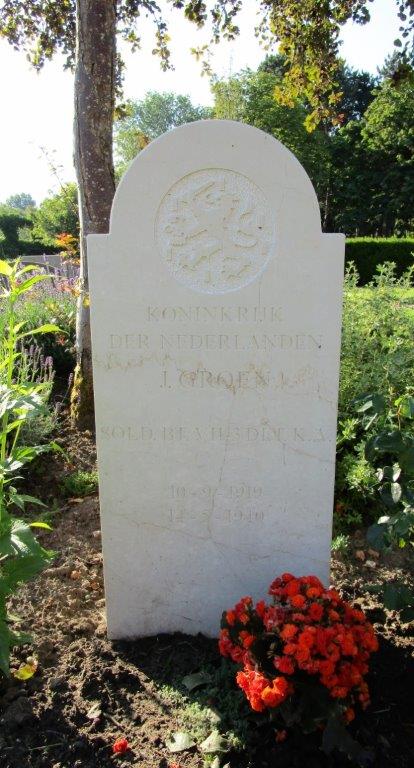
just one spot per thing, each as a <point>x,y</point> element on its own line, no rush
<point>216,315</point>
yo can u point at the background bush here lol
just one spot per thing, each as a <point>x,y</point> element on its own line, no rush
<point>377,352</point>
<point>377,356</point>
<point>368,253</point>
<point>59,310</point>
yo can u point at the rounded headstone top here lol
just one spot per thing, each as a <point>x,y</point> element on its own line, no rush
<point>233,175</point>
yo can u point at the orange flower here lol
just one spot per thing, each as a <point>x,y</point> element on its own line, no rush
<point>285,665</point>
<point>302,655</point>
<point>274,694</point>
<point>290,649</point>
<point>315,611</point>
<point>349,715</point>
<point>313,592</point>
<point>287,577</point>
<point>339,692</point>
<point>120,746</point>
<point>281,736</point>
<point>253,684</point>
<point>298,601</point>
<point>288,632</point>
<point>231,618</point>
<point>261,608</point>
<point>292,588</point>
<point>247,639</point>
<point>307,629</point>
<point>307,637</point>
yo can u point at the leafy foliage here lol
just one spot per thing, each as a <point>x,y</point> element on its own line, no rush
<point>21,556</point>
<point>22,201</point>
<point>142,121</point>
<point>249,98</point>
<point>369,253</point>
<point>389,449</point>
<point>56,214</point>
<point>363,180</point>
<point>373,157</point>
<point>377,353</point>
<point>307,32</point>
<point>14,224</point>
<point>377,356</point>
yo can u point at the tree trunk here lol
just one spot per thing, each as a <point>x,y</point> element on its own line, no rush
<point>94,109</point>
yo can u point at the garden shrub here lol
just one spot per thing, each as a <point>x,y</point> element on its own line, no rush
<point>59,308</point>
<point>377,352</point>
<point>377,356</point>
<point>375,469</point>
<point>22,399</point>
<point>368,253</point>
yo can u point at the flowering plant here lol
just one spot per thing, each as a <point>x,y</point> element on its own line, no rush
<point>304,657</point>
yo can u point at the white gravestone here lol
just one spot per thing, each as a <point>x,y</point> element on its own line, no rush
<point>216,316</point>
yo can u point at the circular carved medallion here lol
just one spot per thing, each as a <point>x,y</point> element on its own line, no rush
<point>215,231</point>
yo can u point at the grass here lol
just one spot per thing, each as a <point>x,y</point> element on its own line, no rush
<point>80,483</point>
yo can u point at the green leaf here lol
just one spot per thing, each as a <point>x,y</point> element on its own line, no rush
<point>377,535</point>
<point>39,524</point>
<point>398,596</point>
<point>395,492</point>
<point>5,268</point>
<point>47,328</point>
<point>197,680</point>
<point>373,403</point>
<point>215,742</point>
<point>406,460</point>
<point>27,284</point>
<point>390,442</point>
<point>403,522</point>
<point>5,639</point>
<point>9,639</point>
<point>19,570</point>
<point>32,500</point>
<point>16,539</point>
<point>21,456</point>
<point>405,406</point>
<point>407,615</point>
<point>179,742</point>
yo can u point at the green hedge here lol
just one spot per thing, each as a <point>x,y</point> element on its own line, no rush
<point>368,252</point>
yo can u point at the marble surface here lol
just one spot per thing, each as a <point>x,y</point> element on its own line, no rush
<point>216,315</point>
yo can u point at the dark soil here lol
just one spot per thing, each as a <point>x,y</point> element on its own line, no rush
<point>136,687</point>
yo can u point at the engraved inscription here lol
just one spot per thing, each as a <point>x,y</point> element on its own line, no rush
<point>215,231</point>
<point>221,504</point>
<point>229,433</point>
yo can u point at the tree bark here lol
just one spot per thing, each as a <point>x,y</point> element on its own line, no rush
<point>94,110</point>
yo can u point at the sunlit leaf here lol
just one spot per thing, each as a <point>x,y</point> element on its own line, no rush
<point>179,742</point>
<point>25,671</point>
<point>46,526</point>
<point>46,328</point>
<point>5,268</point>
<point>215,742</point>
